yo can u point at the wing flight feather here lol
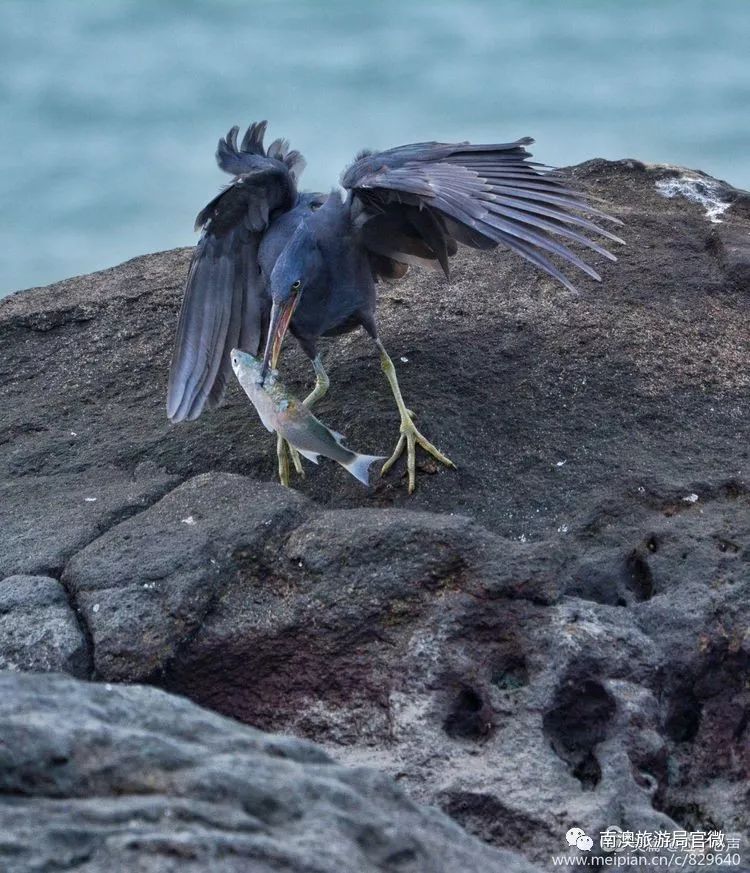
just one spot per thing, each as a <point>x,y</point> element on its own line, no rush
<point>478,195</point>
<point>222,306</point>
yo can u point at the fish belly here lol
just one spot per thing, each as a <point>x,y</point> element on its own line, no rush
<point>262,401</point>
<point>302,430</point>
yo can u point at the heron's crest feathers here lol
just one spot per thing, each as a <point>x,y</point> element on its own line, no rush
<point>251,156</point>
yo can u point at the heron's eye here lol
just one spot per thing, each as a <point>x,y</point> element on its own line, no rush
<point>296,285</point>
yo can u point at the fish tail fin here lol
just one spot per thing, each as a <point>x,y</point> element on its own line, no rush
<point>359,466</point>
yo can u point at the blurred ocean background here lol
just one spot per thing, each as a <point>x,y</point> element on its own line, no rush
<point>110,111</point>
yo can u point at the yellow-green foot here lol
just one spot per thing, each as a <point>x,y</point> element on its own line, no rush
<point>283,451</point>
<point>410,438</point>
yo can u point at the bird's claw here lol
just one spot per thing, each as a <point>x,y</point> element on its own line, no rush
<point>410,437</point>
<point>284,450</point>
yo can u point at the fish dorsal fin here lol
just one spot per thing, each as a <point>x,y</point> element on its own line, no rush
<point>339,437</point>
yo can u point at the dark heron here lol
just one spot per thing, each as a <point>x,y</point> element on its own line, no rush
<point>271,259</point>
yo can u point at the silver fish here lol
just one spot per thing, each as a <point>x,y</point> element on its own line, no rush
<point>280,411</point>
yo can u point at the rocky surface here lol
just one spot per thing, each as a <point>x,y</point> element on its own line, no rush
<point>555,634</point>
<point>102,778</point>
<point>39,631</point>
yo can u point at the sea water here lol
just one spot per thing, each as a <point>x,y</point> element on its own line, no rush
<point>110,110</point>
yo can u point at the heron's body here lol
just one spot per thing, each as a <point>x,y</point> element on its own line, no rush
<point>341,297</point>
<point>271,259</point>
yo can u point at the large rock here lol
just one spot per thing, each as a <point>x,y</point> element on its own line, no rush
<point>644,376</point>
<point>47,518</point>
<point>599,680</point>
<point>149,583</point>
<point>104,779</point>
<point>38,629</point>
<point>555,634</point>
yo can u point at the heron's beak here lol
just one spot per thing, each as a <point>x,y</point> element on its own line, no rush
<point>281,315</point>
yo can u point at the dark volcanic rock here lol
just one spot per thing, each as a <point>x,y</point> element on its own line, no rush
<point>555,634</point>
<point>644,375</point>
<point>47,518</point>
<point>102,779</point>
<point>38,629</point>
<point>438,651</point>
<point>147,585</point>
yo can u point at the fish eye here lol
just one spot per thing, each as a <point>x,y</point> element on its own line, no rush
<point>296,285</point>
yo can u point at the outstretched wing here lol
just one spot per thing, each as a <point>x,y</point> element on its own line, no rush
<point>414,203</point>
<point>222,306</point>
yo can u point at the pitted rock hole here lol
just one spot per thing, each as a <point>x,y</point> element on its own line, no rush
<point>616,579</point>
<point>726,545</point>
<point>485,816</point>
<point>510,674</point>
<point>639,580</point>
<point>588,772</point>
<point>577,723</point>
<point>683,717</point>
<point>468,718</point>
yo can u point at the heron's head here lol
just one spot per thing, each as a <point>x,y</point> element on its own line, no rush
<point>297,267</point>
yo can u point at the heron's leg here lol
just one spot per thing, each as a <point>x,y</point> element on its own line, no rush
<point>322,383</point>
<point>282,446</point>
<point>283,458</point>
<point>409,437</point>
